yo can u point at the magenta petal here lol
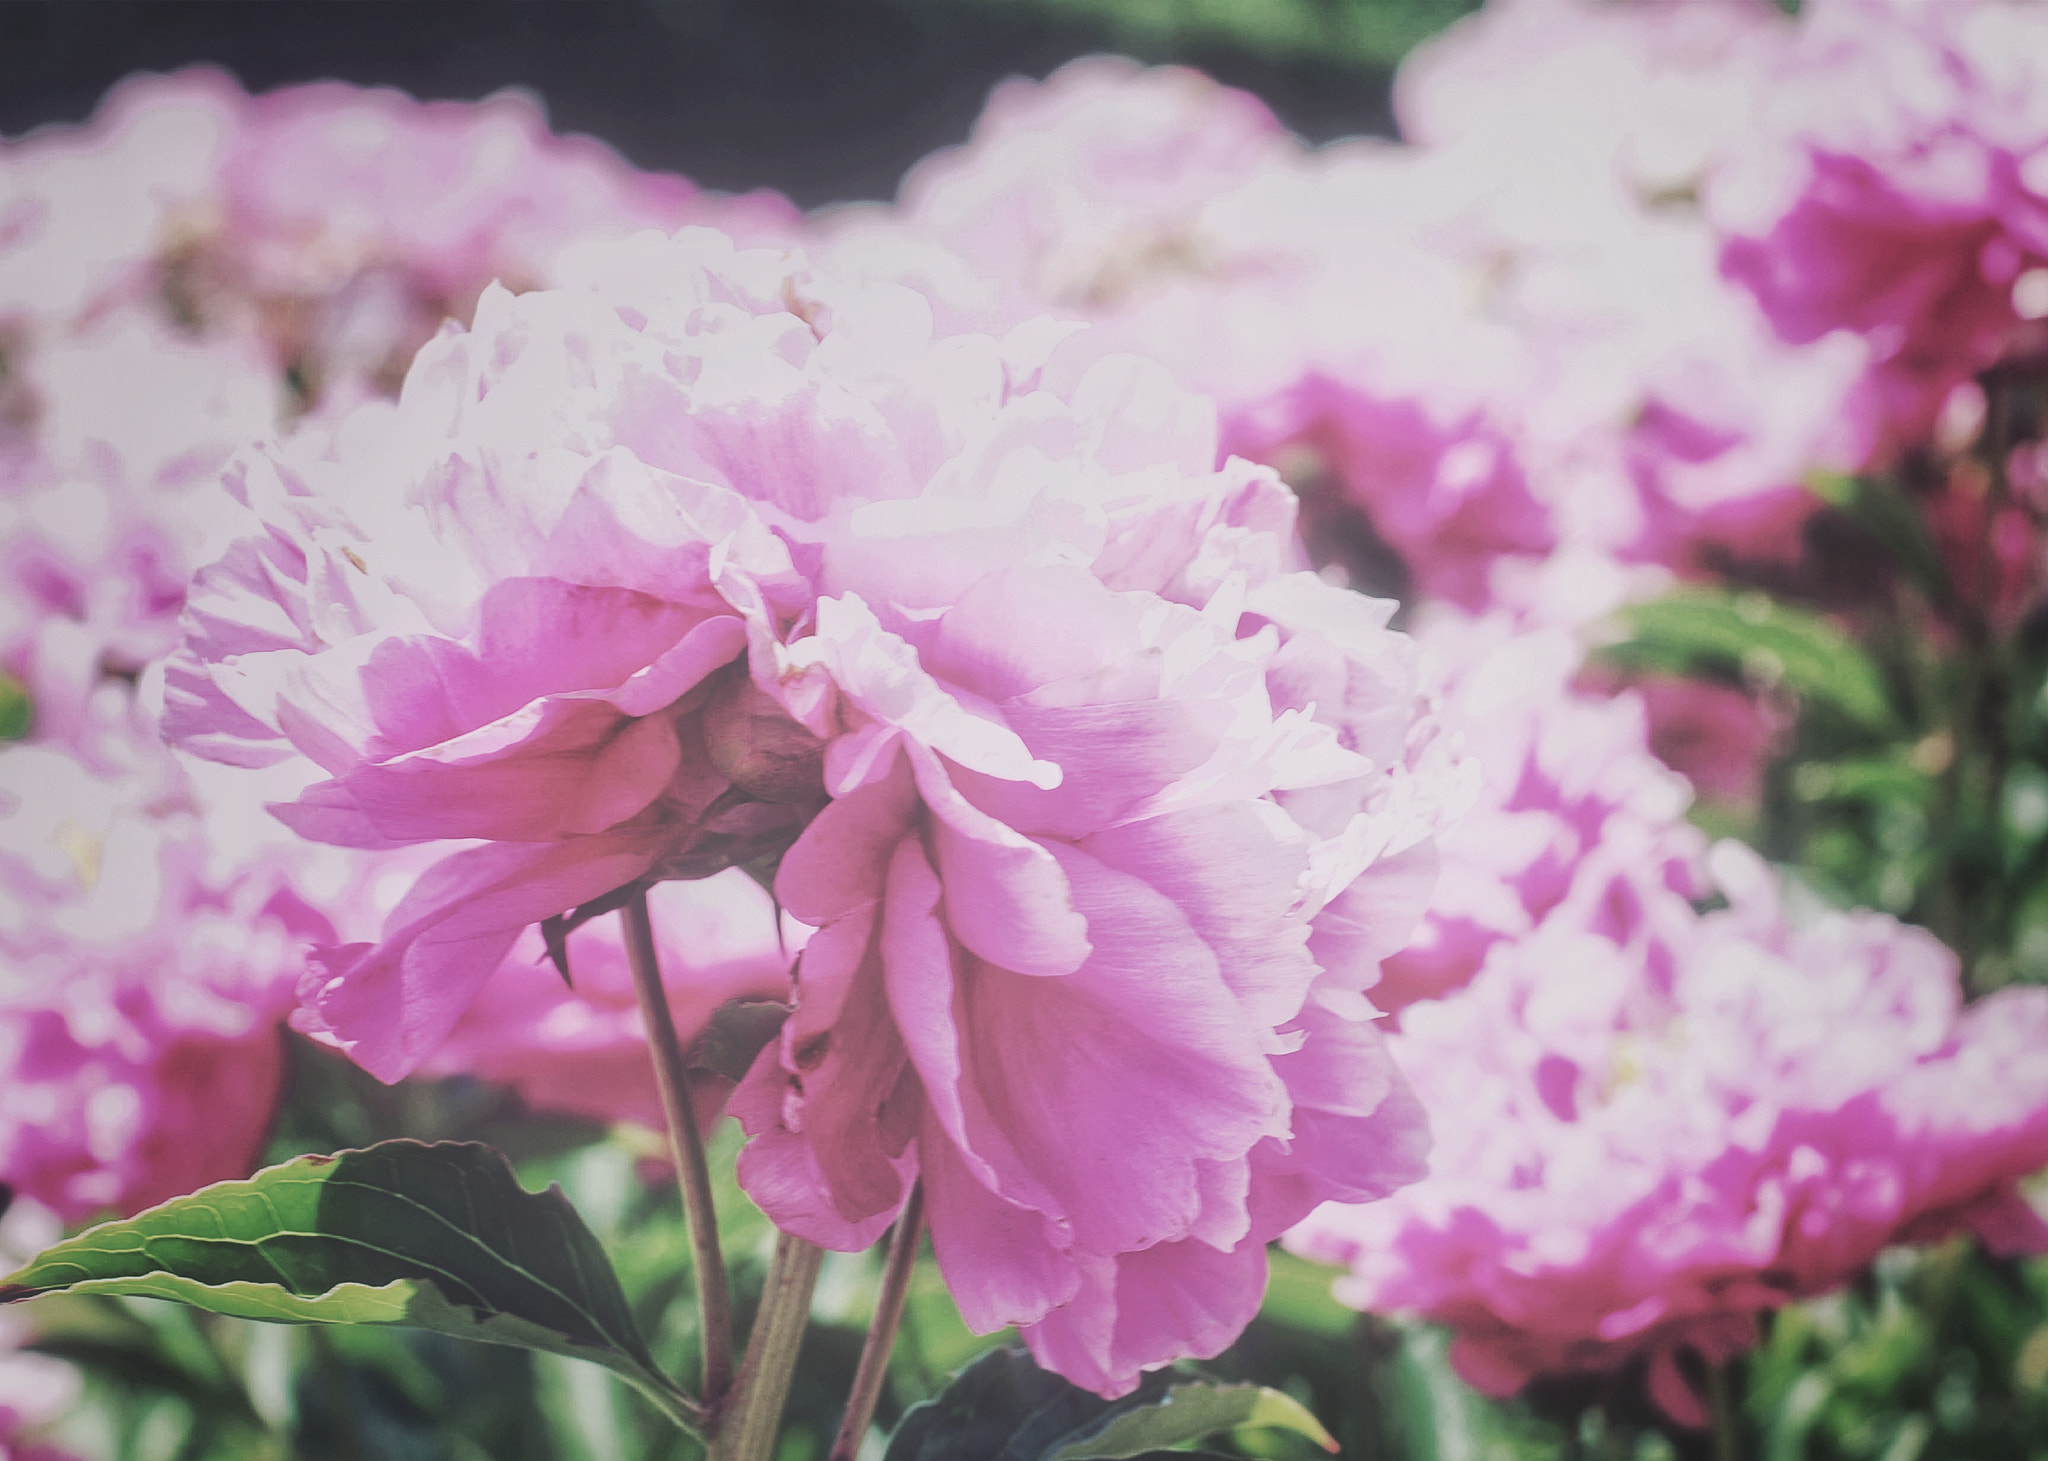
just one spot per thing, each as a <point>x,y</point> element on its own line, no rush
<point>1244,906</point>
<point>838,862</point>
<point>1004,1264</point>
<point>847,1088</point>
<point>1113,1083</point>
<point>558,769</point>
<point>2007,1224</point>
<point>393,1002</point>
<point>1375,917</point>
<point>1142,1310</point>
<point>1360,1132</point>
<point>1077,627</point>
<point>922,984</point>
<point>1131,753</point>
<point>781,1172</point>
<point>327,812</point>
<point>715,642</point>
<point>199,716</point>
<point>1006,898</point>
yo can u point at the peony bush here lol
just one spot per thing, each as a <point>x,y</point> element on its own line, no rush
<point>1172,706</point>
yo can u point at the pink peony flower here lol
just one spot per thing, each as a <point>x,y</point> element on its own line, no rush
<point>712,560</point>
<point>1575,818</point>
<point>1180,218</point>
<point>1507,338</point>
<point>333,226</point>
<point>1899,190</point>
<point>353,222</point>
<point>113,501</point>
<point>181,270</point>
<point>578,1046</point>
<point>148,953</point>
<point>1563,152</point>
<point>1644,1155</point>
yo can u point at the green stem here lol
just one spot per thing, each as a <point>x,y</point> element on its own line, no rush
<point>1727,1424</point>
<point>752,1414</point>
<point>686,1149</point>
<point>874,1352</point>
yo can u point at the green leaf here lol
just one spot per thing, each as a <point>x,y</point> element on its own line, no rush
<point>439,1237</point>
<point>1002,1407</point>
<point>1766,641</point>
<point>1298,1295</point>
<point>1889,516</point>
<point>17,712</point>
<point>1188,1413</point>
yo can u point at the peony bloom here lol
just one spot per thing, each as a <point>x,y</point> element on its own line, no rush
<point>182,271</point>
<point>352,222</point>
<point>1561,153</point>
<point>1898,190</point>
<point>578,1045</point>
<point>712,560</point>
<point>1186,224</point>
<point>1575,818</point>
<point>1640,1149</point>
<point>331,227</point>
<point>150,942</point>
<point>112,500</point>
<point>1504,339</point>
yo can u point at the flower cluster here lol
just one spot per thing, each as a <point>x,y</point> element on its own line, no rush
<point>1737,1111</point>
<point>1506,340</point>
<point>174,277</point>
<point>957,643</point>
<point>149,946</point>
<point>331,227</point>
<point>1575,819</point>
<point>1898,192</point>
<point>712,560</point>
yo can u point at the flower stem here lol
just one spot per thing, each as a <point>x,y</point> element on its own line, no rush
<point>1727,1424</point>
<point>752,1414</point>
<point>686,1149</point>
<point>874,1353</point>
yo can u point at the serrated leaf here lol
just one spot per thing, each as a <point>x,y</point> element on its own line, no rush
<point>439,1237</point>
<point>1764,639</point>
<point>1189,1412</point>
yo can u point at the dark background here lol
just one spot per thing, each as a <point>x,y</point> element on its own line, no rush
<point>822,99</point>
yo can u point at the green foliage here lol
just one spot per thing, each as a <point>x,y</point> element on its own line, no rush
<point>1938,1355</point>
<point>17,714</point>
<point>1762,642</point>
<point>439,1237</point>
<point>1003,1407</point>
<point>1362,34</point>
